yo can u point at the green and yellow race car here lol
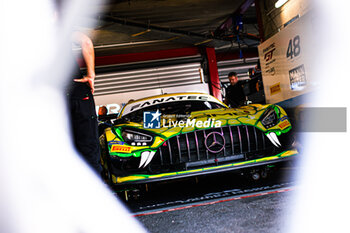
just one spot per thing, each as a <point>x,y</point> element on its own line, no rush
<point>189,134</point>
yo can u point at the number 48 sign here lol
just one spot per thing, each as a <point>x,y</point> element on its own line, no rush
<point>293,47</point>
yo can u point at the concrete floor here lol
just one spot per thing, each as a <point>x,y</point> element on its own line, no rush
<point>268,213</point>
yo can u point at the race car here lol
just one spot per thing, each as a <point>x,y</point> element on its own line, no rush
<point>180,135</point>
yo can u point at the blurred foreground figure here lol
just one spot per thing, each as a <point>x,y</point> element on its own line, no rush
<point>45,186</point>
<point>82,105</point>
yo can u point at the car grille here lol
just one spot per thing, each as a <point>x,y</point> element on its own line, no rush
<point>188,150</point>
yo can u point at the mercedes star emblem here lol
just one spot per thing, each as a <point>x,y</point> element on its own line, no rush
<point>214,142</point>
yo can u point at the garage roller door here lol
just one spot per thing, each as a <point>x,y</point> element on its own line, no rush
<point>149,78</point>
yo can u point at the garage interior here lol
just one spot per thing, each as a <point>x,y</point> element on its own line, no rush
<point>153,47</point>
<point>139,43</point>
<point>149,47</point>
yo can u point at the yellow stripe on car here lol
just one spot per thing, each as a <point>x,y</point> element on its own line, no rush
<point>142,177</point>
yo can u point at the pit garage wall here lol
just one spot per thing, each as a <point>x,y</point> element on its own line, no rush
<point>129,77</point>
<point>117,88</point>
<point>286,62</point>
<point>123,77</point>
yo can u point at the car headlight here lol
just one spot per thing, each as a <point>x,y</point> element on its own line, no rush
<point>269,118</point>
<point>135,138</point>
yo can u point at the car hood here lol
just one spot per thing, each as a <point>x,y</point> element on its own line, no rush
<point>246,115</point>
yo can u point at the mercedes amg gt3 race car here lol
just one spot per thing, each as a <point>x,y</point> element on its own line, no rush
<point>189,134</point>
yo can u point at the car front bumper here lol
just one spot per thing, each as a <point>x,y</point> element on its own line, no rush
<point>143,178</point>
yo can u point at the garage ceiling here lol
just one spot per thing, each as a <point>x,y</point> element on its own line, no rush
<point>130,26</point>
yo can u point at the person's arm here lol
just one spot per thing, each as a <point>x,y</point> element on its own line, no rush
<point>87,50</point>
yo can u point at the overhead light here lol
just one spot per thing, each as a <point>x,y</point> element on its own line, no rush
<point>203,42</point>
<point>173,38</point>
<point>280,3</point>
<point>140,33</point>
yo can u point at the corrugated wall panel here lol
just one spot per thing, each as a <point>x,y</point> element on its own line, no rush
<point>150,78</point>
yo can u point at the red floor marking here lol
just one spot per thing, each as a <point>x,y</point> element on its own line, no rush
<point>214,202</point>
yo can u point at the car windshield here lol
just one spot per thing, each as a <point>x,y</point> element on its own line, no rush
<point>181,108</point>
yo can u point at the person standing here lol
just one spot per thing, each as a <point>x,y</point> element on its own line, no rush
<point>235,96</point>
<point>102,111</point>
<point>103,121</point>
<point>81,105</point>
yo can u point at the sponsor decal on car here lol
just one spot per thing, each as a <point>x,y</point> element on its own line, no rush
<point>284,124</point>
<point>118,148</point>
<point>284,118</point>
<point>116,143</point>
<point>166,99</point>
